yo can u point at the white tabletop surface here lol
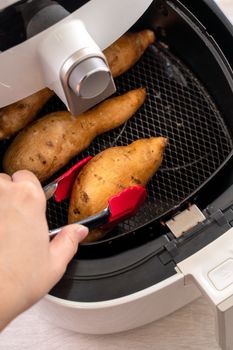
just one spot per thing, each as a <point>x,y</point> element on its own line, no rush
<point>191,328</point>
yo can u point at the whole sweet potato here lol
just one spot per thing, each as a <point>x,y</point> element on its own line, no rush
<point>110,172</point>
<point>17,115</point>
<point>49,143</point>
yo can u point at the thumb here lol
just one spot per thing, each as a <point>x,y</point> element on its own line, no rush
<point>64,246</point>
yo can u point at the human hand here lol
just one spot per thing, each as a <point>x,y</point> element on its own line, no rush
<point>30,264</point>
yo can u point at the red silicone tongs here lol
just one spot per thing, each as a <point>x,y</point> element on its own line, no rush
<point>120,207</point>
<point>61,188</point>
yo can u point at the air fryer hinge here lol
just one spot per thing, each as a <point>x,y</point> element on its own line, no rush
<point>185,220</point>
<point>219,219</point>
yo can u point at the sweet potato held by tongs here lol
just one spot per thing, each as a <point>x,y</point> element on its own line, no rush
<point>48,144</point>
<point>110,172</point>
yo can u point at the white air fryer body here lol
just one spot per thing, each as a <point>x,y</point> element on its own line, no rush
<point>120,314</point>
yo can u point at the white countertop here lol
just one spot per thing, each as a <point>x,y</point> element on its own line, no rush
<point>191,328</point>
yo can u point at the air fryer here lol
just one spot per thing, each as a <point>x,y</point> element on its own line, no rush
<point>185,226</point>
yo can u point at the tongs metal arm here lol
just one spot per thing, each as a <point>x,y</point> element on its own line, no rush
<point>91,222</point>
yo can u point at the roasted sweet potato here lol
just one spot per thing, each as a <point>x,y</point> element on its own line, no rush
<point>110,172</point>
<point>127,50</point>
<point>17,115</point>
<point>49,143</point>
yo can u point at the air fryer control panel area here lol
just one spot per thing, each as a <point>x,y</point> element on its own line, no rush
<point>221,276</point>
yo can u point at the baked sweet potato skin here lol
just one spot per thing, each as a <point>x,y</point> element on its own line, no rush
<point>49,143</point>
<point>127,50</point>
<point>17,115</point>
<point>110,172</point>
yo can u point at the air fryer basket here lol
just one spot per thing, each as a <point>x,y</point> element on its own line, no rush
<point>178,107</point>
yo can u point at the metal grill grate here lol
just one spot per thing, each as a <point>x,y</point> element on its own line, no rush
<point>177,107</point>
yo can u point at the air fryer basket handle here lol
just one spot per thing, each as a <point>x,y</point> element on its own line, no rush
<point>211,268</point>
